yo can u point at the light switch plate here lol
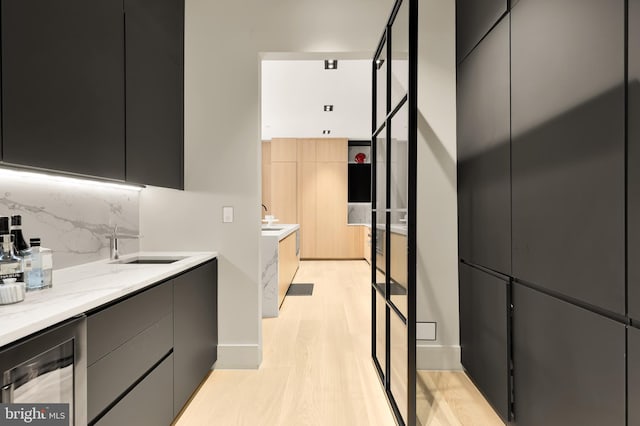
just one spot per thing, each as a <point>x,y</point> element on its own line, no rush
<point>227,214</point>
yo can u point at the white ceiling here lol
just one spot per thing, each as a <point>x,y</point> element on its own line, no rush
<point>294,93</point>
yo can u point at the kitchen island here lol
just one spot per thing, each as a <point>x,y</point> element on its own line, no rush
<point>280,250</point>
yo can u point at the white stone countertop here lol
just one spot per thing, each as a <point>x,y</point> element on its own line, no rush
<point>281,231</point>
<point>85,287</point>
<point>394,228</point>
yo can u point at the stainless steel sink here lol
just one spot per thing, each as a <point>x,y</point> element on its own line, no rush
<point>148,260</point>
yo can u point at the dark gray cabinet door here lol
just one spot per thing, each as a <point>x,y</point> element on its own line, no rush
<point>568,362</point>
<point>154,76</point>
<point>474,18</point>
<point>633,168</point>
<point>567,83</point>
<point>483,335</point>
<point>195,313</point>
<point>633,375</point>
<point>148,404</point>
<point>484,174</point>
<point>63,85</point>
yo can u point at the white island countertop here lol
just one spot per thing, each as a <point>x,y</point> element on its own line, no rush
<point>79,289</point>
<point>279,231</point>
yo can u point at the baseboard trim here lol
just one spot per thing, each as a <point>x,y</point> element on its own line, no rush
<point>437,357</point>
<point>238,357</point>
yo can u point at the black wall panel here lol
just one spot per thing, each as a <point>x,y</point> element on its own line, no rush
<point>63,94</point>
<point>484,191</point>
<point>569,363</point>
<point>633,376</point>
<point>633,112</point>
<point>474,18</point>
<point>567,65</point>
<point>483,334</point>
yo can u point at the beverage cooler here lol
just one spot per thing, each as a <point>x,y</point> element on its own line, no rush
<point>48,368</point>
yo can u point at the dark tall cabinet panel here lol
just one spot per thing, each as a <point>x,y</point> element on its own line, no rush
<point>195,313</point>
<point>63,85</point>
<point>569,363</point>
<point>484,334</point>
<point>633,375</point>
<point>154,76</point>
<point>474,18</point>
<point>484,191</point>
<point>567,70</point>
<point>633,159</point>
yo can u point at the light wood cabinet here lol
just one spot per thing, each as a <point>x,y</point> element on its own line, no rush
<point>308,186</point>
<point>266,176</point>
<point>284,191</point>
<point>366,243</point>
<point>288,261</point>
<point>284,149</point>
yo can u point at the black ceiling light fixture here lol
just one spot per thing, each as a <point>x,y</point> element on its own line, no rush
<point>326,132</point>
<point>328,108</point>
<point>330,64</point>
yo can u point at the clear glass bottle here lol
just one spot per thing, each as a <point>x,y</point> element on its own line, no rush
<point>10,264</point>
<point>20,246</point>
<point>41,273</point>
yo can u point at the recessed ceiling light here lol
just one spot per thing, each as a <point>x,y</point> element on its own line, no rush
<point>326,132</point>
<point>330,64</point>
<point>328,108</point>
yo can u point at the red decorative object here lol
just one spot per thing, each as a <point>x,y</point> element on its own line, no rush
<point>360,157</point>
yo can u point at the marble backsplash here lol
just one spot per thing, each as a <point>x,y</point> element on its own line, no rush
<point>72,218</point>
<point>359,213</point>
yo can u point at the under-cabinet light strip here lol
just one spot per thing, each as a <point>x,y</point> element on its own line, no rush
<point>66,180</point>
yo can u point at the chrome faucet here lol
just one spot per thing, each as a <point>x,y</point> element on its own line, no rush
<point>114,252</point>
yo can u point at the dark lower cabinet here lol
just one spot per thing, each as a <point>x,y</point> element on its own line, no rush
<point>149,403</point>
<point>484,332</point>
<point>195,339</point>
<point>568,148</point>
<point>484,153</point>
<point>154,101</point>
<point>569,363</point>
<point>132,344</point>
<point>63,85</point>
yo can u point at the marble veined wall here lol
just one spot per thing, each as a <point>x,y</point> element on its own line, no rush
<point>71,217</point>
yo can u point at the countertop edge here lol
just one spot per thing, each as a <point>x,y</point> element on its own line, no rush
<point>94,298</point>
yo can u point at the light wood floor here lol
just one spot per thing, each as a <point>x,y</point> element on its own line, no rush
<point>317,368</point>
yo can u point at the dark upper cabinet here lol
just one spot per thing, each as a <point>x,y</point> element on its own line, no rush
<point>474,18</point>
<point>63,85</point>
<point>484,180</point>
<point>195,322</point>
<point>484,335</point>
<point>154,76</point>
<point>569,363</point>
<point>568,200</point>
<point>633,375</point>
<point>633,169</point>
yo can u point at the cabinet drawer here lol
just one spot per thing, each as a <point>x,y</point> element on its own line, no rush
<point>149,403</point>
<point>115,325</point>
<point>109,377</point>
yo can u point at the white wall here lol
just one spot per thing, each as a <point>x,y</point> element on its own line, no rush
<point>223,42</point>
<point>437,251</point>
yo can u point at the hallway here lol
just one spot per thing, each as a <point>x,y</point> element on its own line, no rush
<point>317,368</point>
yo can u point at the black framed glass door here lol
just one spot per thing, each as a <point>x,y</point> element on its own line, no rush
<point>394,116</point>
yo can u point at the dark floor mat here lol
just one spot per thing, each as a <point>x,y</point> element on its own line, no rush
<point>303,289</point>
